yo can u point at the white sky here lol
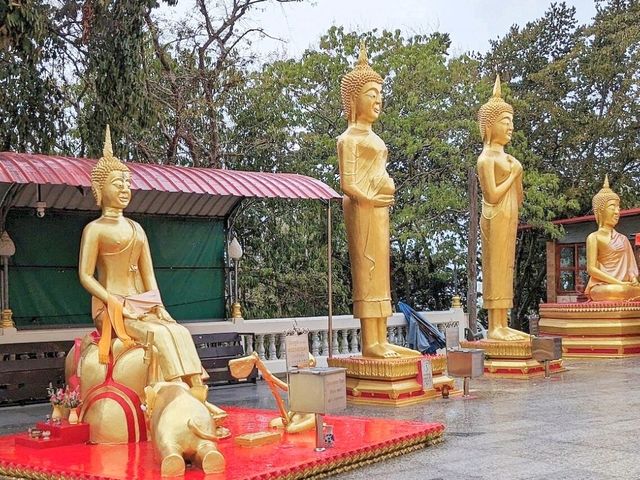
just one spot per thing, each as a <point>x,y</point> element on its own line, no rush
<point>470,23</point>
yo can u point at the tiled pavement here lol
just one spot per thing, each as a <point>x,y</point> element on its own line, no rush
<point>580,424</point>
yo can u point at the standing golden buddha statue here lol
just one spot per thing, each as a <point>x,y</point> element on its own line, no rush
<point>368,194</point>
<point>611,264</point>
<point>500,177</point>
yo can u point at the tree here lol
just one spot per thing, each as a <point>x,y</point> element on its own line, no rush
<point>30,99</point>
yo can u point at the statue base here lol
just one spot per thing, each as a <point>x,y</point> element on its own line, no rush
<point>593,329</point>
<point>392,382</point>
<point>511,359</point>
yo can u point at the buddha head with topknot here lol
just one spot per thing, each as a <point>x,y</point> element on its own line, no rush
<point>492,111</point>
<point>603,199</point>
<point>108,166</point>
<point>353,83</point>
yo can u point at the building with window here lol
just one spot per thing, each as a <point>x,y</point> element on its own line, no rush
<point>567,257</point>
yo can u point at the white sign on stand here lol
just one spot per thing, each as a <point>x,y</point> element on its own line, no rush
<point>297,348</point>
<point>425,374</point>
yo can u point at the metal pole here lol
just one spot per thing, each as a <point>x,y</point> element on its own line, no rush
<point>472,258</point>
<point>546,369</point>
<point>5,268</point>
<point>2,304</point>
<point>320,445</point>
<point>465,386</point>
<point>235,281</point>
<point>330,283</point>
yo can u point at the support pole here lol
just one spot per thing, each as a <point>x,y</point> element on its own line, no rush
<point>330,282</point>
<point>472,257</point>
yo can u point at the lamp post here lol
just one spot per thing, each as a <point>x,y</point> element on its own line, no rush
<point>235,253</point>
<point>7,249</point>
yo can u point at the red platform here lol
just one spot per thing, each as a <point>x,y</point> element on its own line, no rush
<point>359,441</point>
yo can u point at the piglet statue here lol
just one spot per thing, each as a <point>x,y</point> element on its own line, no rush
<point>181,429</point>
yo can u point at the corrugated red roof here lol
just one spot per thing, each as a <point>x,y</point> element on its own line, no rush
<point>22,168</point>
<point>64,183</point>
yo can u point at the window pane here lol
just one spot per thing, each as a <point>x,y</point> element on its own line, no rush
<point>582,256</point>
<point>583,279</point>
<point>566,257</point>
<point>567,281</point>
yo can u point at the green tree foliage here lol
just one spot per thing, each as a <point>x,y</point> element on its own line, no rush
<point>30,100</point>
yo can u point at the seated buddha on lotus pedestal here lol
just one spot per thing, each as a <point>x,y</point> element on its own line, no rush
<point>609,324</point>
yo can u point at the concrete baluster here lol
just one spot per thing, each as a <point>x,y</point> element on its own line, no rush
<point>260,346</point>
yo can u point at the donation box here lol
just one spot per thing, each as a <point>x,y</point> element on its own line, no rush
<point>318,390</point>
<point>546,348</point>
<point>466,362</point>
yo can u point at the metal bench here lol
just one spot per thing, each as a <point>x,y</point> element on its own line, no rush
<point>26,369</point>
<point>215,350</point>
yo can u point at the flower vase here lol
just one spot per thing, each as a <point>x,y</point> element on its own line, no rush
<point>73,416</point>
<point>57,413</point>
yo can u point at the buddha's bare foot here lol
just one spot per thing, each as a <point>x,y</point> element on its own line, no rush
<point>402,351</point>
<point>378,351</point>
<point>506,334</point>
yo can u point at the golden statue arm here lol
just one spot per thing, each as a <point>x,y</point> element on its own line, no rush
<point>87,264</point>
<point>242,367</point>
<point>491,192</point>
<point>347,159</point>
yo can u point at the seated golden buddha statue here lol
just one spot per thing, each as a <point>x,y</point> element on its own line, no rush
<point>611,264</point>
<point>368,194</point>
<point>125,296</point>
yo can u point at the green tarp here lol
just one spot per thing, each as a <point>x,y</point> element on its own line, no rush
<point>188,256</point>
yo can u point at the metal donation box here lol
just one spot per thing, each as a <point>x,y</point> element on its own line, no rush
<point>466,362</point>
<point>546,348</point>
<point>318,390</point>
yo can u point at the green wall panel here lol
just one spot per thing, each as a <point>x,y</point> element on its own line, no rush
<point>44,290</point>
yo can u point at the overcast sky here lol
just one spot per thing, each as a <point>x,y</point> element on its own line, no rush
<point>470,23</point>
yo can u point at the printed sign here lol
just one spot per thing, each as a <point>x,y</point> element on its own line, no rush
<point>297,349</point>
<point>425,374</point>
<point>452,337</point>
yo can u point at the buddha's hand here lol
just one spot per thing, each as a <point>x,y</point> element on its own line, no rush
<point>516,166</point>
<point>163,315</point>
<point>383,200</point>
<point>128,313</point>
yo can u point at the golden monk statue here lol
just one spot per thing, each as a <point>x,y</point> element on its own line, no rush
<point>611,263</point>
<point>125,296</point>
<point>368,190</point>
<point>501,183</point>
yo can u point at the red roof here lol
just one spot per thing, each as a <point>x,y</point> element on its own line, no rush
<point>583,219</point>
<point>192,188</point>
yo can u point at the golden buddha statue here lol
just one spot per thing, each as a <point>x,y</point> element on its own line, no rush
<point>500,177</point>
<point>611,264</point>
<point>368,194</point>
<point>125,296</point>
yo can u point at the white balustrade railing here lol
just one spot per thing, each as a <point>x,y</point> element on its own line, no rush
<point>266,336</point>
